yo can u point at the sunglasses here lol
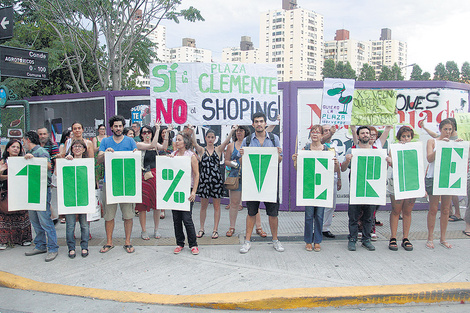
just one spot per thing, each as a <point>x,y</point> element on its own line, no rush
<point>146,132</point>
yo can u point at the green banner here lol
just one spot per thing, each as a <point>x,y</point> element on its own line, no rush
<point>374,107</point>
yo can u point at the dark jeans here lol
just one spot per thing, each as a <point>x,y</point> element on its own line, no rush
<point>70,220</point>
<point>354,213</point>
<point>186,218</point>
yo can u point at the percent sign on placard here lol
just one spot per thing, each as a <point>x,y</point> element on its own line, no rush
<point>178,196</point>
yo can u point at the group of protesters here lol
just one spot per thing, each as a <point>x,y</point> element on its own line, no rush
<point>207,182</point>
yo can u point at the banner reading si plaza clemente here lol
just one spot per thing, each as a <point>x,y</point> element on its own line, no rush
<point>212,93</point>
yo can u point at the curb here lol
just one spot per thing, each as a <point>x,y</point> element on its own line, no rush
<point>264,299</point>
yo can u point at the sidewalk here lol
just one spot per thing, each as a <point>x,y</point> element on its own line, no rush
<point>220,276</point>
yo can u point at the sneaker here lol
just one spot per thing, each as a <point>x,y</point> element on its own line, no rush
<point>366,244</point>
<point>359,235</point>
<point>26,243</point>
<point>51,256</point>
<point>3,246</point>
<point>277,246</point>
<point>373,237</point>
<point>195,250</point>
<point>246,247</point>
<point>34,252</point>
<point>352,245</point>
<point>177,249</point>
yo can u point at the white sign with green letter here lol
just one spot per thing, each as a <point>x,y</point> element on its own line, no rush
<point>408,170</point>
<point>260,174</point>
<point>123,176</point>
<point>450,168</point>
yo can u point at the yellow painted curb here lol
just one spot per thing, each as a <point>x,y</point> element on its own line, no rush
<point>264,299</point>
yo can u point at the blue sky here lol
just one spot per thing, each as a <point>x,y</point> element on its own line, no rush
<point>434,30</point>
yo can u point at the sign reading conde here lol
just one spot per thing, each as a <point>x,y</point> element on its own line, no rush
<point>212,93</point>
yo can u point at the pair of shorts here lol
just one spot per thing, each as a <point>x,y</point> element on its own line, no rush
<point>428,184</point>
<point>272,209</point>
<point>127,209</point>
<point>390,188</point>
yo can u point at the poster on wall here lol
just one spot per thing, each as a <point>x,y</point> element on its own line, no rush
<point>260,174</point>
<point>374,107</point>
<point>463,125</point>
<point>368,176</point>
<point>173,182</point>
<point>408,170</point>
<point>27,184</point>
<point>123,177</point>
<point>337,101</point>
<point>450,168</point>
<point>315,178</point>
<point>76,186</point>
<point>213,93</point>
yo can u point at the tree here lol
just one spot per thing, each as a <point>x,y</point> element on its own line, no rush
<point>348,71</point>
<point>367,73</point>
<point>328,70</point>
<point>386,74</point>
<point>396,72</point>
<point>453,71</point>
<point>440,72</point>
<point>107,31</point>
<point>465,73</point>
<point>426,76</point>
<point>416,73</point>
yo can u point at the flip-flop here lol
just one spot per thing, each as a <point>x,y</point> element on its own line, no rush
<point>446,245</point>
<point>106,248</point>
<point>200,234</point>
<point>129,248</point>
<point>466,233</point>
<point>215,235</point>
<point>430,245</point>
<point>453,218</point>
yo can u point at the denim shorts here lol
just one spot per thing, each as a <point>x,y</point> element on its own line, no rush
<point>428,183</point>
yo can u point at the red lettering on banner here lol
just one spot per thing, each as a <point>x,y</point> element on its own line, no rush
<point>179,109</point>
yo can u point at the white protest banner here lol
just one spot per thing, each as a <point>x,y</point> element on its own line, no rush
<point>374,107</point>
<point>173,182</point>
<point>450,168</point>
<point>337,101</point>
<point>212,93</point>
<point>27,184</point>
<point>408,170</point>
<point>315,178</point>
<point>259,174</point>
<point>76,186</point>
<point>368,176</point>
<point>123,177</point>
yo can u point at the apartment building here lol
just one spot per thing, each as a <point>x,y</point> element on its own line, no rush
<point>292,37</point>
<point>188,52</point>
<point>246,53</point>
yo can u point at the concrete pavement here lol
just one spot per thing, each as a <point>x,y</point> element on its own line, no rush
<point>221,277</point>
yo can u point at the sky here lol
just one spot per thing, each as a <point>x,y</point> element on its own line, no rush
<point>434,30</point>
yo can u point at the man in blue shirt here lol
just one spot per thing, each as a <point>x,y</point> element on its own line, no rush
<point>41,220</point>
<point>117,142</point>
<point>261,138</point>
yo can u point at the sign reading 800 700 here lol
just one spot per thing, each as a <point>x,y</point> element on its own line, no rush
<point>212,94</point>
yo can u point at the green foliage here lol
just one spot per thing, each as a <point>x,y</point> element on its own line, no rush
<point>396,72</point>
<point>386,74</point>
<point>338,70</point>
<point>465,73</point>
<point>367,73</point>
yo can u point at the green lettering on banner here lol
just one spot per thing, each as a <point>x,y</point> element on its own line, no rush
<point>75,180</point>
<point>178,197</point>
<point>368,168</point>
<point>408,170</point>
<point>33,172</point>
<point>200,83</point>
<point>310,175</point>
<point>448,167</point>
<point>235,82</point>
<point>259,166</point>
<point>123,174</point>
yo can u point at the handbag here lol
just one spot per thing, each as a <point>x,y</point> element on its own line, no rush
<point>4,202</point>
<point>231,183</point>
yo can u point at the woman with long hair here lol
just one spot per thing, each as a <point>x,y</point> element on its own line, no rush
<point>211,183</point>
<point>446,127</point>
<point>180,218</point>
<point>99,168</point>
<point>150,146</point>
<point>15,227</point>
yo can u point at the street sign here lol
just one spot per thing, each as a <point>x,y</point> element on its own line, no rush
<point>22,63</point>
<point>6,22</point>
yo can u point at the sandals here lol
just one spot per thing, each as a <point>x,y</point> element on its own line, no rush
<point>232,230</point>
<point>406,244</point>
<point>429,244</point>
<point>129,248</point>
<point>200,234</point>
<point>106,248</point>
<point>72,254</point>
<point>308,247</point>
<point>316,247</point>
<point>446,245</point>
<point>215,234</point>
<point>453,218</point>
<point>144,235</point>
<point>466,233</point>
<point>392,245</point>
<point>84,254</point>
<point>261,232</point>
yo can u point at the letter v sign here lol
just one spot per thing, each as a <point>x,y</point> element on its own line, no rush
<point>259,166</point>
